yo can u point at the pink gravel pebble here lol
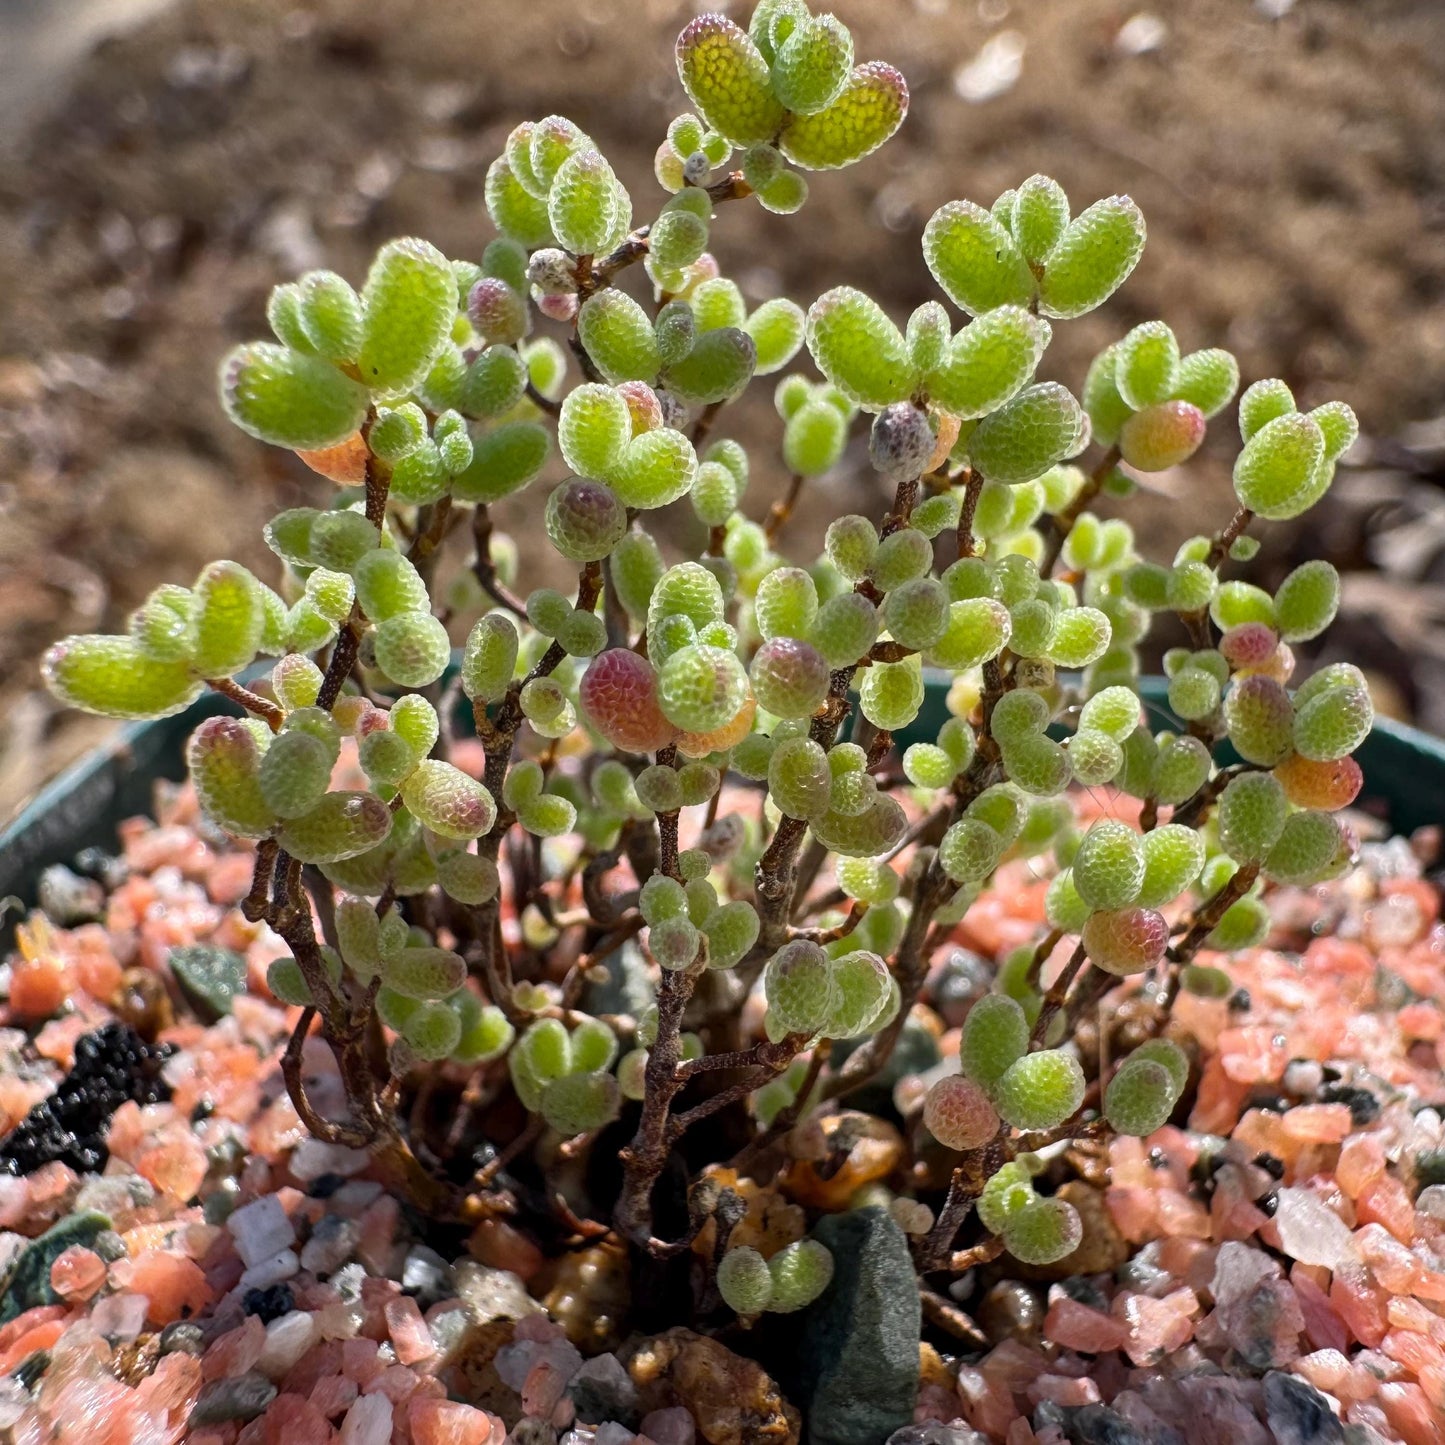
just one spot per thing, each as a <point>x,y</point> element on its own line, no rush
<point>1064,1390</point>
<point>1077,1327</point>
<point>291,1420</point>
<point>395,1382</point>
<point>77,1273</point>
<point>408,1331</point>
<point>235,1352</point>
<point>359,1361</point>
<point>333,1395</point>
<point>1155,1328</point>
<point>446,1422</point>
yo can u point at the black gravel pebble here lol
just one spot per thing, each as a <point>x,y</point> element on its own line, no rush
<point>270,1303</point>
<point>1364,1106</point>
<point>112,1065</point>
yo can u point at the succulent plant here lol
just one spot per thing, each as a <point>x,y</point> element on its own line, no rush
<point>629,721</point>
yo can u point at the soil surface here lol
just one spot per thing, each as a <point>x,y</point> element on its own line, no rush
<point>1291,165</point>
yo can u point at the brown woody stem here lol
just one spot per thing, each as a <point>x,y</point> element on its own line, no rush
<point>1228,536</point>
<point>782,509</point>
<point>1047,944</point>
<point>483,568</point>
<point>1205,922</point>
<point>264,708</point>
<point>972,490</point>
<point>1054,998</point>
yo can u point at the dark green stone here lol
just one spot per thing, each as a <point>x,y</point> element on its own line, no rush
<point>915,1053</point>
<point>1429,1168</point>
<point>28,1284</point>
<point>627,989</point>
<point>858,1357</point>
<point>242,1397</point>
<point>209,977</point>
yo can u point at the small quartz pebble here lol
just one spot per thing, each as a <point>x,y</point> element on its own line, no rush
<point>271,1269</point>
<point>333,1241</point>
<point>1256,1313</point>
<point>67,898</point>
<point>314,1158</point>
<point>1303,1076</point>
<point>427,1277</point>
<point>368,1421</point>
<point>287,1340</point>
<point>1310,1231</point>
<point>493,1294</point>
<point>611,1433</point>
<point>936,1434</point>
<point>261,1231</point>
<point>119,1316</point>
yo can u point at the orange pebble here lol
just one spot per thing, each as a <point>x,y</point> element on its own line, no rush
<point>1413,1350</point>
<point>41,1337</point>
<point>1411,1415</point>
<point>176,1165</point>
<point>1359,1305</point>
<point>1318,1123</point>
<point>1362,1161</point>
<point>445,1422</point>
<point>37,987</point>
<point>41,1314</point>
<point>1216,1106</point>
<point>1420,1021</point>
<point>1387,1202</point>
<point>1427,899</point>
<point>174,1286</point>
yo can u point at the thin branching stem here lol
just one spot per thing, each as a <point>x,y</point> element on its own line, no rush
<point>782,509</point>
<point>269,712</point>
<point>1063,523</point>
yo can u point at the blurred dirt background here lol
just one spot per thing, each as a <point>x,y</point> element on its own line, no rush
<point>163,164</point>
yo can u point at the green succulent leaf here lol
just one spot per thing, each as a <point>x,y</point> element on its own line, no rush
<point>989,362</point>
<point>1094,256</point>
<point>289,399</point>
<point>866,112</point>
<point>408,305</point>
<point>859,349</point>
<point>727,79</point>
<point>974,258</point>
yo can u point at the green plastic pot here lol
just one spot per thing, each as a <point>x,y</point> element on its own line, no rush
<point>1404,781</point>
